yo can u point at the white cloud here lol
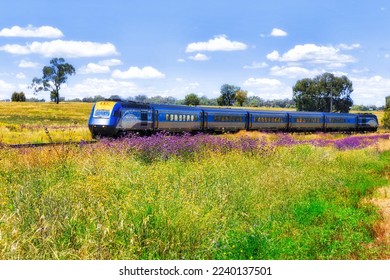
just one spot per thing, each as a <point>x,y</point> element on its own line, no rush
<point>27,64</point>
<point>294,72</point>
<point>31,31</point>
<point>181,60</point>
<point>102,66</point>
<point>105,87</point>
<point>6,90</point>
<point>21,76</point>
<point>93,68</point>
<point>138,73</point>
<point>262,82</point>
<point>219,43</point>
<point>268,88</point>
<point>62,48</point>
<point>313,54</point>
<point>199,57</point>
<point>110,62</point>
<point>370,90</point>
<point>349,47</point>
<point>276,32</point>
<point>256,65</point>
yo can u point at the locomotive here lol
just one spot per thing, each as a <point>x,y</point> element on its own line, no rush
<point>112,118</point>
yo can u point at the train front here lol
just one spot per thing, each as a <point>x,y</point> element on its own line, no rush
<point>104,118</point>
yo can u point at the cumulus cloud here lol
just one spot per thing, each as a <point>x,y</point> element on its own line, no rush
<point>20,76</point>
<point>268,88</point>
<point>104,87</point>
<point>276,32</point>
<point>147,72</point>
<point>31,31</point>
<point>62,48</point>
<point>256,65</point>
<point>219,43</point>
<point>102,66</point>
<point>199,57</point>
<point>294,72</point>
<point>110,62</point>
<point>262,82</point>
<point>5,90</point>
<point>93,68</point>
<point>370,90</point>
<point>27,64</point>
<point>313,54</point>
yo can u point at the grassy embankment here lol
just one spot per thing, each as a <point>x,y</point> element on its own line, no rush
<point>124,200</point>
<point>110,201</point>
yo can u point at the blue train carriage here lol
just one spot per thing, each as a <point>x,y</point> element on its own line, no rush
<point>224,119</point>
<point>268,120</point>
<point>367,122</point>
<point>104,118</point>
<point>305,121</point>
<point>341,122</point>
<point>176,118</point>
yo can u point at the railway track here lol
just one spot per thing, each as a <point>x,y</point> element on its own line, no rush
<point>47,144</point>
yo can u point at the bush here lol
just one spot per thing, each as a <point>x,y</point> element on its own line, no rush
<point>18,97</point>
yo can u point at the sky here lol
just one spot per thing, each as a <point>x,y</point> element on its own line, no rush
<point>177,47</point>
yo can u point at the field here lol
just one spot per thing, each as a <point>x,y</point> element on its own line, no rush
<point>26,122</point>
<point>242,196</point>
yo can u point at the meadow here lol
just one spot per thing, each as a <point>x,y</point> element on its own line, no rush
<point>242,196</point>
<point>25,122</point>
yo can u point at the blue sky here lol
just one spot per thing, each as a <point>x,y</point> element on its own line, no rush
<point>172,48</point>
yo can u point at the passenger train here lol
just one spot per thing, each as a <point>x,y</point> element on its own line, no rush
<point>113,118</point>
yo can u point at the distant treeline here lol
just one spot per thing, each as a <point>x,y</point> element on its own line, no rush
<point>252,101</point>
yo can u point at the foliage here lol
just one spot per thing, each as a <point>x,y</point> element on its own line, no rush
<point>191,99</point>
<point>324,93</point>
<point>18,97</point>
<point>386,118</point>
<point>228,95</point>
<point>53,77</point>
<point>241,96</point>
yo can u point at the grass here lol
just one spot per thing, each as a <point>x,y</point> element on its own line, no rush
<point>299,202</point>
<point>158,198</point>
<point>25,122</point>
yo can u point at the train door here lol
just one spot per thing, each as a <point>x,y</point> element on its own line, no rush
<point>144,119</point>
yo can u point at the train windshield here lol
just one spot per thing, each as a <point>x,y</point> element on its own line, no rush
<point>103,109</point>
<point>105,114</point>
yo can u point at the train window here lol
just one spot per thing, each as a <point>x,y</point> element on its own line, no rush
<point>167,117</point>
<point>196,118</point>
<point>102,114</point>
<point>176,118</point>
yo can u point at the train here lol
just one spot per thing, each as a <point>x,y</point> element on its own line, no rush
<point>112,118</point>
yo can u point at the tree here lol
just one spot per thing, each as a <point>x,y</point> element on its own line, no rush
<point>326,93</point>
<point>191,99</point>
<point>241,96</point>
<point>386,117</point>
<point>53,77</point>
<point>228,95</point>
<point>18,97</point>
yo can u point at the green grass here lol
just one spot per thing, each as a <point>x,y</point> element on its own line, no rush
<point>94,203</point>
